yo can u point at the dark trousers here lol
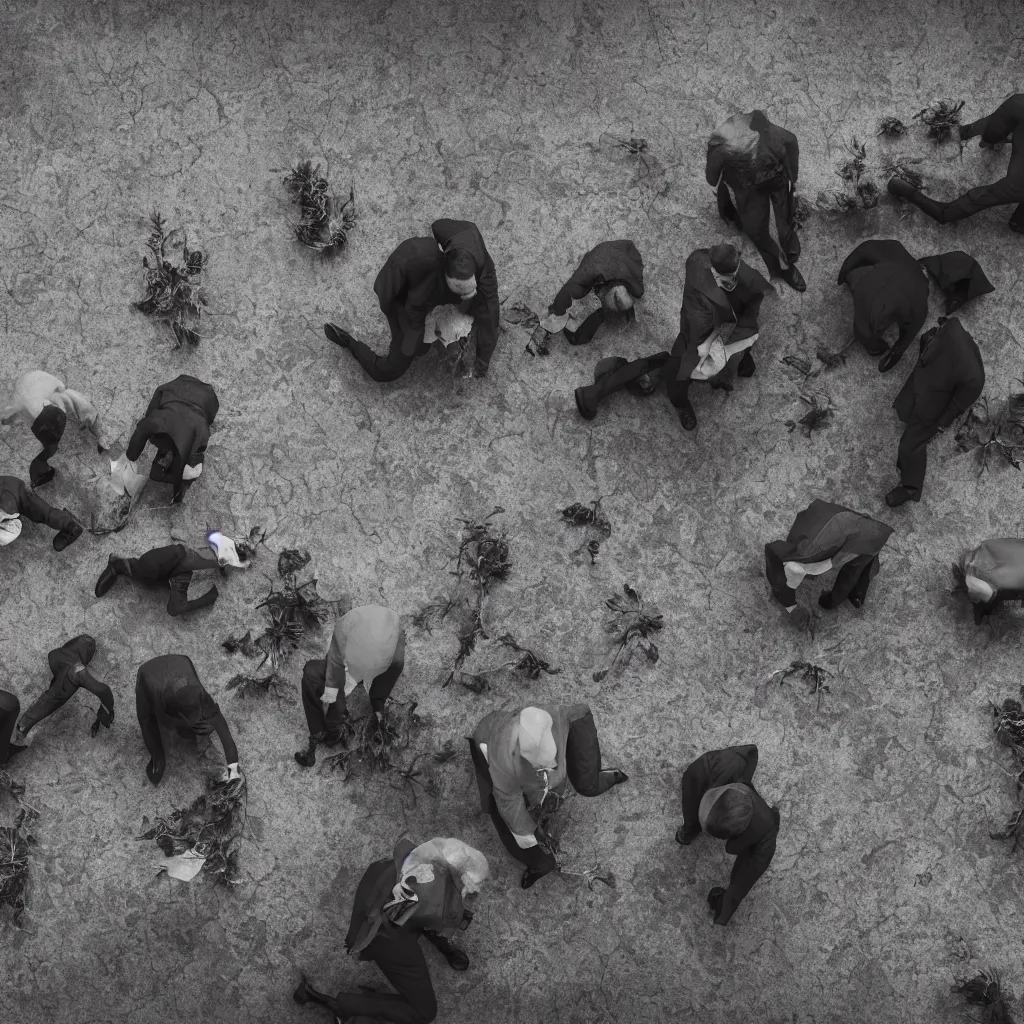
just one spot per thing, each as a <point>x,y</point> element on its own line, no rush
<point>912,456</point>
<point>9,708</point>
<point>401,960</point>
<point>314,681</point>
<point>36,510</point>
<point>986,608</point>
<point>174,565</point>
<point>63,686</point>
<point>385,369</point>
<point>1005,192</point>
<point>582,765</point>
<point>854,579</point>
<point>752,214</point>
<point>48,427</point>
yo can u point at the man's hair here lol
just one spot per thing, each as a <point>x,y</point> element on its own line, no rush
<point>459,265</point>
<point>617,296</point>
<point>730,814</point>
<point>725,258</point>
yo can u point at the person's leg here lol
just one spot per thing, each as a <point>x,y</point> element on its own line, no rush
<point>695,782</point>
<point>847,579</point>
<point>789,240</point>
<point>48,428</point>
<point>754,210</point>
<point>178,602</point>
<point>1004,192</point>
<point>9,709</point>
<point>1017,220</point>
<point>678,392</point>
<point>912,458</point>
<point>36,510</point>
<point>726,209</point>
<point>584,334</point>
<point>314,680</point>
<point>590,397</point>
<point>382,685</point>
<point>50,700</point>
<point>385,369</point>
<point>583,760</point>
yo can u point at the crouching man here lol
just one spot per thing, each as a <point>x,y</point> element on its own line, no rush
<point>16,500</point>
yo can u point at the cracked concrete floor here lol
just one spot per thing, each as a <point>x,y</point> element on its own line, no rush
<point>886,882</point>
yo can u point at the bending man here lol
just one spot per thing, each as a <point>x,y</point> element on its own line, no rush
<point>719,798</point>
<point>177,423</point>
<point>45,402</point>
<point>993,573</point>
<point>368,647</point>
<point>825,536</point>
<point>1005,124</point>
<point>451,268</point>
<point>520,758</point>
<point>17,500</point>
<point>168,693</point>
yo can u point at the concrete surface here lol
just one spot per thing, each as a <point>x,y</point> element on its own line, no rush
<point>886,882</point>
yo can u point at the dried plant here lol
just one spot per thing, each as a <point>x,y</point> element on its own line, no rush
<point>539,343</point>
<point>813,675</point>
<point>483,552</point>
<point>900,167</point>
<point>520,315</point>
<point>891,127</point>
<point>860,192</point>
<point>941,119</point>
<point>114,518</point>
<point>326,221</point>
<point>803,366</point>
<point>372,742</point>
<point>593,520</point>
<point>853,167</point>
<point>633,146</point>
<point>632,624</point>
<point>250,685</point>
<point>833,360</point>
<point>211,827</point>
<point>525,661</point>
<point>174,292</point>
<point>817,417</point>
<point>1009,730</point>
<point>984,989</point>
<point>801,210</point>
<point>997,432</point>
<point>15,843</point>
<point>593,876</point>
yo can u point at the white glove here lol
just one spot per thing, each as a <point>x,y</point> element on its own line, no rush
<point>231,773</point>
<point>330,695</point>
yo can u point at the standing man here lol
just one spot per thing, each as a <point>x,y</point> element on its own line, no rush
<point>177,423</point>
<point>451,268</point>
<point>168,694</point>
<point>1003,125</point>
<point>68,667</point>
<point>614,272</point>
<point>754,165</point>
<point>889,287</point>
<point>174,565</point>
<point>522,756</point>
<point>368,647</point>
<point>947,381</point>
<point>719,798</point>
<point>17,500</point>
<point>825,536</point>
<point>45,402</point>
<point>396,902</point>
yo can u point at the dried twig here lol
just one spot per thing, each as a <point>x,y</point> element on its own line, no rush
<point>250,685</point>
<point>891,127</point>
<point>174,293</point>
<point>801,210</point>
<point>1009,730</point>
<point>860,191</point>
<point>818,417</point>
<point>813,675</point>
<point>211,827</point>
<point>941,119</point>
<point>632,624</point>
<point>376,744</point>
<point>15,843</point>
<point>326,221</point>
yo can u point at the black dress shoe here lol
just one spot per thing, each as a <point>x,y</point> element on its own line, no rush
<point>457,958</point>
<point>334,333</point>
<point>825,599</point>
<point>747,365</point>
<point>306,758</point>
<point>856,600</point>
<point>530,877</point>
<point>300,995</point>
<point>68,535</point>
<point>687,417</point>
<point>715,898</point>
<point>888,361</point>
<point>620,776</point>
<point>570,336</point>
<point>585,410</point>
<point>900,188</point>
<point>720,382</point>
<point>898,495</point>
<point>38,479</point>
<point>792,276</point>
<point>107,578</point>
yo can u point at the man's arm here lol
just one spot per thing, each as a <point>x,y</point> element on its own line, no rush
<point>696,781</point>
<point>85,412</point>
<point>143,431</point>
<point>792,155</point>
<point>574,289</point>
<point>391,284</point>
<point>220,726</point>
<point>150,732</point>
<point>775,570</point>
<point>749,754</point>
<point>999,124</point>
<point>858,258</point>
<point>334,685</point>
<point>751,863</point>
<point>966,393</point>
<point>715,164</point>
<point>156,401</point>
<point>88,681</point>
<point>746,323</point>
<point>512,807</point>
<point>487,317</point>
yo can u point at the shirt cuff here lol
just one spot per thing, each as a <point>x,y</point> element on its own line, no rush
<point>350,682</point>
<point>525,842</point>
<point>330,694</point>
<point>790,608</point>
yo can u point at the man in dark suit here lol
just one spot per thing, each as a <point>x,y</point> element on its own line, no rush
<point>825,536</point>
<point>614,271</point>
<point>177,423</point>
<point>719,798</point>
<point>9,708</point>
<point>889,287</point>
<point>1005,124</point>
<point>754,166</point>
<point>451,268</point>
<point>389,936</point>
<point>16,500</point>
<point>947,381</point>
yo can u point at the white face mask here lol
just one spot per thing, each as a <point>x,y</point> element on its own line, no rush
<point>227,553</point>
<point>727,284</point>
<point>464,289</point>
<point>10,530</point>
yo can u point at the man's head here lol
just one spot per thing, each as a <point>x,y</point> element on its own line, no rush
<point>617,298</point>
<point>10,528</point>
<point>725,265</point>
<point>536,740</point>
<point>725,811</point>
<point>227,552</point>
<point>49,425</point>
<point>460,273</point>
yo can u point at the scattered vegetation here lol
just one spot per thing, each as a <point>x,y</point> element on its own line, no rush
<point>941,119</point>
<point>1009,730</point>
<point>901,167</point>
<point>818,416</point>
<point>210,827</point>
<point>174,292</point>
<point>801,210</point>
<point>891,127</point>
<point>250,685</point>
<point>594,522</point>
<point>859,191</point>
<point>813,675</point>
<point>984,989</point>
<point>632,624</point>
<point>325,220</point>
<point>994,432</point>
<point>15,844</point>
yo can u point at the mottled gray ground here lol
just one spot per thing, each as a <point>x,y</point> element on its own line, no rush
<point>885,879</point>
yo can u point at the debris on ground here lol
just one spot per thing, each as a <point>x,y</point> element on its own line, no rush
<point>984,989</point>
<point>891,127</point>
<point>325,220</point>
<point>15,846</point>
<point>994,432</point>
<point>632,624</point>
<point>941,119</point>
<point>818,416</point>
<point>590,517</point>
<point>1009,730</point>
<point>813,675</point>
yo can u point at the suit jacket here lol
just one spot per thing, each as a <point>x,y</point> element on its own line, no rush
<point>14,494</point>
<point>168,693</point>
<point>68,667</point>
<point>773,161</point>
<point>947,381</point>
<point>959,276</point>
<point>999,563</point>
<point>515,784</point>
<point>891,289</point>
<point>706,306</point>
<point>754,849</point>
<point>411,283</point>
<point>712,769</point>
<point>822,530</point>
<point>608,263</point>
<point>178,417</point>
<point>485,308</point>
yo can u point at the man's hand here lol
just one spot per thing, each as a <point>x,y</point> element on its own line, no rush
<point>231,772</point>
<point>888,361</point>
<point>155,771</point>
